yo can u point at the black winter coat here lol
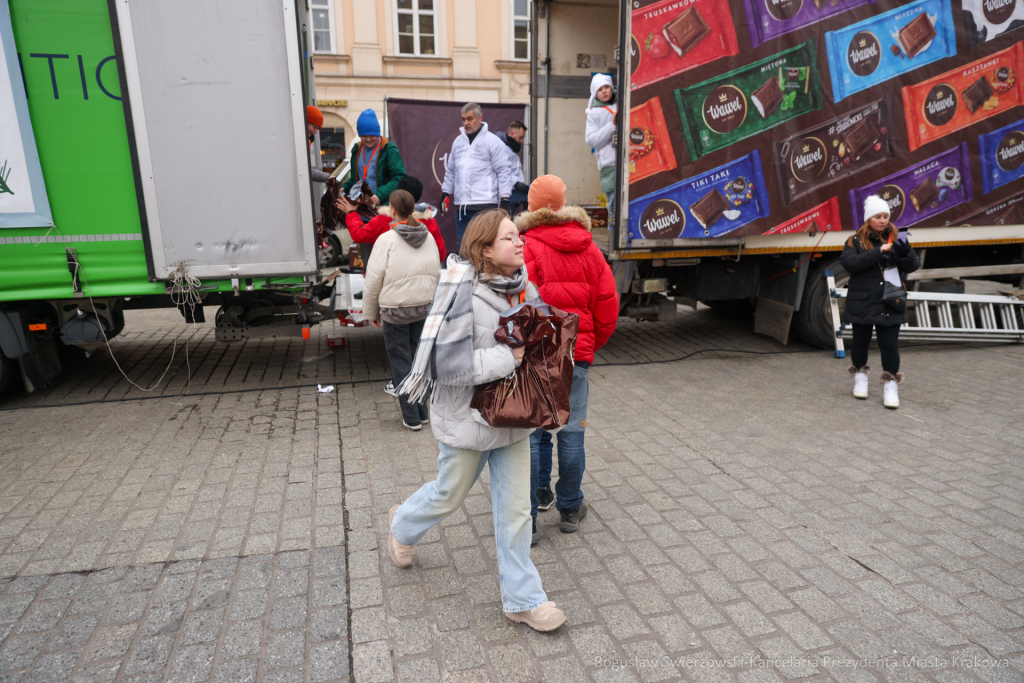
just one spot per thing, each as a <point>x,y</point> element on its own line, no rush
<point>864,305</point>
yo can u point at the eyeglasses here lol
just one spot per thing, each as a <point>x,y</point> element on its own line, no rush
<point>513,237</point>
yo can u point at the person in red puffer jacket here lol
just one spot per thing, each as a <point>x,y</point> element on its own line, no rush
<point>366,234</point>
<point>571,273</point>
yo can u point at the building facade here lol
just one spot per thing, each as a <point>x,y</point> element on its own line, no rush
<point>452,50</point>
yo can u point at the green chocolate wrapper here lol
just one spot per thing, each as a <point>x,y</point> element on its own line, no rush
<point>743,102</point>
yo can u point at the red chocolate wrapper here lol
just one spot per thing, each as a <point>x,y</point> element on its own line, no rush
<point>959,98</point>
<point>650,150</point>
<point>822,218</point>
<point>655,50</point>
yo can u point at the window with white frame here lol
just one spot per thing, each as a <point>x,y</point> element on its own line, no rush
<point>323,26</point>
<point>520,29</point>
<point>415,24</point>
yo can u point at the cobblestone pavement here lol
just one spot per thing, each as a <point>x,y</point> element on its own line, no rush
<point>750,521</point>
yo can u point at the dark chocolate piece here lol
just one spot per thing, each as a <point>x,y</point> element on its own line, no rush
<point>977,94</point>
<point>709,208</point>
<point>924,194</point>
<point>685,31</point>
<point>896,51</point>
<point>915,35</point>
<point>861,137</point>
<point>767,97</point>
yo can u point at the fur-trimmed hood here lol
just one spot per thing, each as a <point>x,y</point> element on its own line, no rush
<point>570,213</point>
<point>418,215</point>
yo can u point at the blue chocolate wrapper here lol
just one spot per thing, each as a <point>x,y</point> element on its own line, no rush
<point>675,212</point>
<point>1002,155</point>
<point>946,175</point>
<point>872,51</point>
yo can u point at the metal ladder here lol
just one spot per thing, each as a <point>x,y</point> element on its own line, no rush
<point>945,317</point>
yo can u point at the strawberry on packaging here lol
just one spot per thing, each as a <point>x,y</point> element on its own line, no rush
<point>672,36</point>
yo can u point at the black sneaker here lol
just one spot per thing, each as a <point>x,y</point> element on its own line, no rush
<point>544,498</point>
<point>536,536</point>
<point>571,518</point>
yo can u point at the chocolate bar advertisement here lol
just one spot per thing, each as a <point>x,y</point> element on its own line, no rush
<point>673,36</point>
<point>924,190</point>
<point>718,112</point>
<point>896,42</point>
<point>769,19</point>
<point>1002,156</point>
<point>988,19</point>
<point>711,204</point>
<point>814,104</point>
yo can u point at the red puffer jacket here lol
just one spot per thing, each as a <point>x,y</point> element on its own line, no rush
<point>571,273</point>
<point>367,233</point>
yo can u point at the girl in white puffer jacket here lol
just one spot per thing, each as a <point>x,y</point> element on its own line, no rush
<point>457,352</point>
<point>601,110</point>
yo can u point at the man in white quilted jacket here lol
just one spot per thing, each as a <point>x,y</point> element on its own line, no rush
<point>478,175</point>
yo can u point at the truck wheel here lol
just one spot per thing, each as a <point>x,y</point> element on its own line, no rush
<point>8,371</point>
<point>330,255</point>
<point>735,308</point>
<point>813,322</point>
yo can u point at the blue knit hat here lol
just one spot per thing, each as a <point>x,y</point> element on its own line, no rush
<point>367,124</point>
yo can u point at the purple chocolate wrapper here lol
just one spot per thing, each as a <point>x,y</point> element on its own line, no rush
<point>954,188</point>
<point>767,19</point>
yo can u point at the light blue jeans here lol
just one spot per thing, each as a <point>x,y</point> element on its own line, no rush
<point>458,470</point>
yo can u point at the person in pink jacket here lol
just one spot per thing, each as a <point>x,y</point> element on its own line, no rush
<point>572,274</point>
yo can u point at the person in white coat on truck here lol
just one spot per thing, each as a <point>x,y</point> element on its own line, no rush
<point>600,134</point>
<point>478,175</point>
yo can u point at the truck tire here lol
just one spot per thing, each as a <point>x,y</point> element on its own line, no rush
<point>331,255</point>
<point>734,308</point>
<point>8,372</point>
<point>813,322</point>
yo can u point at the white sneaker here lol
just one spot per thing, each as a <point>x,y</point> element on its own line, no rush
<point>390,390</point>
<point>891,383</point>
<point>860,381</point>
<point>412,428</point>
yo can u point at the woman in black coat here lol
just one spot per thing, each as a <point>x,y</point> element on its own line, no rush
<point>867,254</point>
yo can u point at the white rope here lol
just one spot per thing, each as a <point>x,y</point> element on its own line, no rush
<point>184,292</point>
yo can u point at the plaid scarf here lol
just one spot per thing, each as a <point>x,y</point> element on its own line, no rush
<point>445,351</point>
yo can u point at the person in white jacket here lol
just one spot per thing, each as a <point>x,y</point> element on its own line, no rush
<point>600,134</point>
<point>401,276</point>
<point>453,357</point>
<point>478,175</point>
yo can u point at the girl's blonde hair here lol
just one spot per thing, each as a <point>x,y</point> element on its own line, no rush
<point>481,232</point>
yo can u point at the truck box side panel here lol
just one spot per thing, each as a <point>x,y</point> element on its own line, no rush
<point>215,97</point>
<point>79,127</point>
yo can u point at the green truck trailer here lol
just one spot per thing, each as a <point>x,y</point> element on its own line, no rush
<point>150,157</point>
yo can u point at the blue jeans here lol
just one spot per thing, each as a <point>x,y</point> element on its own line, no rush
<point>458,470</point>
<point>462,218</point>
<point>572,458</point>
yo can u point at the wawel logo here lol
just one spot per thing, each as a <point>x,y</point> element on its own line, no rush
<point>940,105</point>
<point>894,197</point>
<point>725,108</point>
<point>864,54</point>
<point>809,160</point>
<point>782,10</point>
<point>662,219</point>
<point>998,11</point>
<point>1010,151</point>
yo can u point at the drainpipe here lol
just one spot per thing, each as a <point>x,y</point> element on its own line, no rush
<point>547,79</point>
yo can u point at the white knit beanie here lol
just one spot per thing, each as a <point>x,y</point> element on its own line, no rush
<point>875,205</point>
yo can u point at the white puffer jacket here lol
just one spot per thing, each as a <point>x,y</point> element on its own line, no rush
<point>478,173</point>
<point>601,123</point>
<point>450,414</point>
<point>399,275</point>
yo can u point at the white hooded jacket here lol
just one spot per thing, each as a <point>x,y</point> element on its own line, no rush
<point>478,173</point>
<point>601,123</point>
